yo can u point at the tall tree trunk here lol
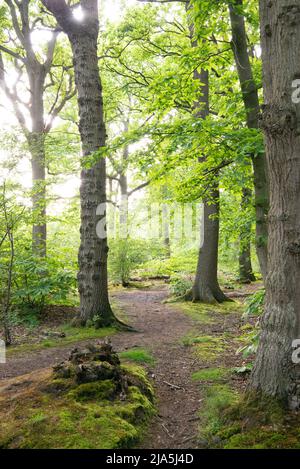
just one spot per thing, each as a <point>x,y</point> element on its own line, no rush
<point>93,252</point>
<point>36,142</point>
<point>251,102</point>
<point>274,372</point>
<point>246,274</point>
<point>206,286</point>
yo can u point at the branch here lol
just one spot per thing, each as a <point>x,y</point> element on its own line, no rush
<point>57,108</point>
<point>138,188</point>
<point>13,97</point>
<point>12,53</point>
<point>63,14</point>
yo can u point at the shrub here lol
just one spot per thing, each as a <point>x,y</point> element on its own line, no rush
<point>180,285</point>
<point>126,255</point>
<point>40,281</point>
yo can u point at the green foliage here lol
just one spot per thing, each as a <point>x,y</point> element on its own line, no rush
<point>41,281</point>
<point>128,255</point>
<point>180,285</point>
<point>252,340</point>
<point>255,304</point>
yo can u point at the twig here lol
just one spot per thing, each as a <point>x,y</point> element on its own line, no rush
<point>167,431</point>
<point>172,385</point>
<point>194,437</point>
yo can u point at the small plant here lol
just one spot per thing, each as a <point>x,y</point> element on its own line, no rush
<point>180,285</point>
<point>255,304</point>
<point>252,342</point>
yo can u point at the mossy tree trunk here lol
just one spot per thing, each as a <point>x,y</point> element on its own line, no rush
<point>274,372</point>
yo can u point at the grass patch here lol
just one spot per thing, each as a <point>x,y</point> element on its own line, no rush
<point>138,355</point>
<point>206,347</point>
<point>211,374</point>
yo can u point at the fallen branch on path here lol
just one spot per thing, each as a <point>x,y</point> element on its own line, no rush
<point>167,431</point>
<point>172,385</point>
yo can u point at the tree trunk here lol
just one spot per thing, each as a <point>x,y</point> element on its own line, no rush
<point>93,252</point>
<point>206,286</point>
<point>274,372</point>
<point>246,274</point>
<point>36,143</point>
<point>165,213</point>
<point>123,206</point>
<point>251,102</point>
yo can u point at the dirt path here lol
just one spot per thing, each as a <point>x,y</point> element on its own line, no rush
<point>160,328</point>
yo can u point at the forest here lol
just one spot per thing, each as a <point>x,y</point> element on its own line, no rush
<point>149,224</point>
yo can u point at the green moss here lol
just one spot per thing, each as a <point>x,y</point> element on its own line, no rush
<point>262,439</point>
<point>37,418</point>
<point>218,397</point>
<point>100,390</point>
<point>138,355</point>
<point>251,422</point>
<point>211,374</point>
<point>206,347</point>
<point>82,417</point>
<point>197,311</point>
<point>256,409</point>
<point>209,314</point>
<point>138,377</point>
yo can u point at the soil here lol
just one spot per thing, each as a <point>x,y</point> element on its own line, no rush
<point>160,328</point>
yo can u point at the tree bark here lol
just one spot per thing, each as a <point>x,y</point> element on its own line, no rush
<point>206,286</point>
<point>246,274</point>
<point>274,372</point>
<point>93,252</point>
<point>36,144</point>
<point>251,102</point>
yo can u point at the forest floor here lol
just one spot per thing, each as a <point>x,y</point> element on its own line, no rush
<point>181,338</point>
